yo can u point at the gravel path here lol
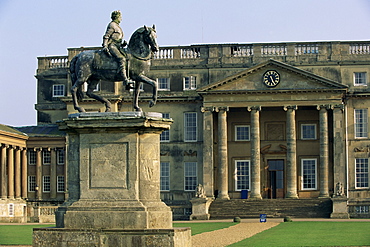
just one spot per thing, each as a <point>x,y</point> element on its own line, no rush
<point>233,234</point>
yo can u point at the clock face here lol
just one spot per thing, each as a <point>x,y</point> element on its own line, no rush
<point>271,78</point>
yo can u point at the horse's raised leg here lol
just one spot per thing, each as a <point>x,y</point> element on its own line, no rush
<point>136,96</point>
<point>154,85</point>
<point>90,89</point>
<point>74,90</point>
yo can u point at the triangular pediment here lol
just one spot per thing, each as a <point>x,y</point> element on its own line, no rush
<point>257,79</point>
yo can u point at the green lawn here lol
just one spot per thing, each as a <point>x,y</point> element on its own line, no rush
<point>197,228</point>
<point>18,234</point>
<point>312,234</point>
<point>285,234</point>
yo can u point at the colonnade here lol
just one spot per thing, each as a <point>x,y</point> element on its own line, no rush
<point>255,161</point>
<point>13,172</point>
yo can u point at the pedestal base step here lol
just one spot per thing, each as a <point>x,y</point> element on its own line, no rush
<point>50,237</point>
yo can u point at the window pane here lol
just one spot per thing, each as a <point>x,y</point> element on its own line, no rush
<point>165,135</point>
<point>60,185</point>
<point>360,123</point>
<point>190,82</point>
<point>309,174</point>
<point>190,126</point>
<point>165,176</point>
<point>60,156</point>
<point>308,131</point>
<point>362,173</point>
<point>31,157</point>
<point>190,175</point>
<point>360,78</point>
<point>46,184</point>
<point>31,183</point>
<point>58,90</point>
<point>242,174</point>
<point>242,133</point>
<point>163,83</point>
<point>46,156</point>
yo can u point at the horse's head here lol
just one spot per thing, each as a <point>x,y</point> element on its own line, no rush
<point>150,37</point>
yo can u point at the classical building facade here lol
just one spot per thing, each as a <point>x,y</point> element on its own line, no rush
<point>263,121</point>
<point>13,175</point>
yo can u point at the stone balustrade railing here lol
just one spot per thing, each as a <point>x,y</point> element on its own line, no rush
<point>292,51</point>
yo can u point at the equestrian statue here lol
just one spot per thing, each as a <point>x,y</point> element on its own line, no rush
<point>115,62</point>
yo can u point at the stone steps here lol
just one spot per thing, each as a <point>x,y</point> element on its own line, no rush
<point>295,208</point>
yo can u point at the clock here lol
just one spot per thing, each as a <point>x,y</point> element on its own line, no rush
<point>271,78</point>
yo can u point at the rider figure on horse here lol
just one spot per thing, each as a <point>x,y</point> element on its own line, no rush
<point>113,45</point>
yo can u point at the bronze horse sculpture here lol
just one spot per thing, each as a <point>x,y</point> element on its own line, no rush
<point>93,66</point>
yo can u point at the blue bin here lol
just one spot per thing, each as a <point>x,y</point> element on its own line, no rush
<point>244,194</point>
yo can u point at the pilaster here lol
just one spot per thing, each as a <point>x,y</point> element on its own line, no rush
<point>208,183</point>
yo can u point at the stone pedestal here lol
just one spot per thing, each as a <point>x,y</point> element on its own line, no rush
<point>200,208</point>
<point>113,184</point>
<point>13,211</point>
<point>340,209</point>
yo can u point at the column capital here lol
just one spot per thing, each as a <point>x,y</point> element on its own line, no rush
<point>292,107</point>
<point>325,106</point>
<point>207,109</point>
<point>221,108</point>
<point>257,108</point>
<point>338,107</point>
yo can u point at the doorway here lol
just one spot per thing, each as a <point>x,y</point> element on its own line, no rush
<point>276,178</point>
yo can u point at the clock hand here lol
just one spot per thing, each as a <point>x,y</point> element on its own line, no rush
<point>272,79</point>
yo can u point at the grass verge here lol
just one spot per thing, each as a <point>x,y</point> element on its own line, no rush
<point>197,228</point>
<point>18,234</point>
<point>312,234</point>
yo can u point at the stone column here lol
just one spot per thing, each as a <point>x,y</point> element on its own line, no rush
<point>291,162</point>
<point>208,183</point>
<point>39,173</point>
<point>255,153</point>
<point>24,174</point>
<point>4,185</point>
<point>53,174</point>
<point>11,172</point>
<point>223,191</point>
<point>17,173</point>
<point>324,151</point>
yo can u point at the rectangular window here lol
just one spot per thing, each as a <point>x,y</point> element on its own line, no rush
<point>46,183</point>
<point>190,83</point>
<point>360,78</point>
<point>165,135</point>
<point>163,84</point>
<point>60,156</point>
<point>58,90</point>
<point>46,155</point>
<point>242,175</point>
<point>362,209</point>
<point>309,173</point>
<point>308,131</point>
<point>31,183</point>
<point>362,173</point>
<point>190,126</point>
<point>32,157</point>
<point>190,176</point>
<point>361,123</point>
<point>60,184</point>
<point>11,209</point>
<point>242,133</point>
<point>165,176</point>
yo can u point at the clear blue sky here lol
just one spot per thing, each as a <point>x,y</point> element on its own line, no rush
<point>30,29</point>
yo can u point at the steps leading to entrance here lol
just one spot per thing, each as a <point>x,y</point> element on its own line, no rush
<point>246,208</point>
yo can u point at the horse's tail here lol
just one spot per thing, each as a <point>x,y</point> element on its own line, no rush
<point>72,70</point>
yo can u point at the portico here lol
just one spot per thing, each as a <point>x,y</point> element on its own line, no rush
<point>271,141</point>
